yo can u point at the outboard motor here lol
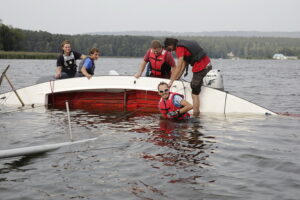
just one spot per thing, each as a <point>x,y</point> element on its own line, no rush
<point>214,79</point>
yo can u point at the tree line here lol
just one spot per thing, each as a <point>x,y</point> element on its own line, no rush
<point>14,39</point>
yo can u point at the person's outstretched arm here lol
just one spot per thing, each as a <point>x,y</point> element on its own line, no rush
<point>141,70</point>
<point>178,70</point>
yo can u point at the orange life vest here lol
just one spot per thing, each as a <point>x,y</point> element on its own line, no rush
<point>166,106</point>
<point>158,63</point>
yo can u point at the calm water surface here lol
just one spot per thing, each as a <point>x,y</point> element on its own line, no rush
<point>143,157</point>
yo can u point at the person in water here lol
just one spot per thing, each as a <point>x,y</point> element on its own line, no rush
<point>190,53</point>
<point>159,62</point>
<point>87,65</point>
<point>172,105</point>
<point>66,62</point>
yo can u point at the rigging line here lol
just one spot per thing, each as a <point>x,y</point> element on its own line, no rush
<point>183,86</point>
<point>14,90</point>
<point>3,73</point>
<point>4,99</point>
<point>178,90</point>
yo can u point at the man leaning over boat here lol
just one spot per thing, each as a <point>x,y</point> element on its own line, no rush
<point>190,52</point>
<point>160,63</point>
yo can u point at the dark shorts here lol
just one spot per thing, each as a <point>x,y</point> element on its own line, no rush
<point>67,75</point>
<point>197,80</point>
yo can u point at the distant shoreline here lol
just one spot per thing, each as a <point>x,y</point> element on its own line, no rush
<point>51,56</point>
<point>27,55</point>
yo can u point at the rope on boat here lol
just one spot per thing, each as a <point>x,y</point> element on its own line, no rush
<point>184,88</point>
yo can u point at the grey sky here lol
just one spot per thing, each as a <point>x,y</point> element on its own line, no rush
<point>74,16</point>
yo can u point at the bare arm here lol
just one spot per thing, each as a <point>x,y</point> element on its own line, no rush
<point>82,56</point>
<point>184,65</point>
<point>85,73</point>
<point>186,106</point>
<point>142,68</point>
<point>173,70</point>
<point>178,70</point>
<point>58,72</point>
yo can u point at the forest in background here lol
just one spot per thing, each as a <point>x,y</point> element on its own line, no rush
<point>41,44</point>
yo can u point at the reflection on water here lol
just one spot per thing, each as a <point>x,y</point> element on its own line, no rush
<point>142,155</point>
<point>187,145</point>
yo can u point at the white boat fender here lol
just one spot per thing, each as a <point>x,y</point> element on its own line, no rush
<point>214,79</point>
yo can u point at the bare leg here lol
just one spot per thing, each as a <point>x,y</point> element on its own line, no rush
<point>196,105</point>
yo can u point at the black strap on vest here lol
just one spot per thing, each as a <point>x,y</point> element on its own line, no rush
<point>196,50</point>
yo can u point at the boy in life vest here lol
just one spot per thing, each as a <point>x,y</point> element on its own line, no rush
<point>190,53</point>
<point>87,65</point>
<point>66,62</point>
<point>161,62</point>
<point>172,105</point>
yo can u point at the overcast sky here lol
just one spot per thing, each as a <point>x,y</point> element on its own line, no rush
<point>75,17</point>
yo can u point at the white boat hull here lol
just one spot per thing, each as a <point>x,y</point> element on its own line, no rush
<point>212,100</point>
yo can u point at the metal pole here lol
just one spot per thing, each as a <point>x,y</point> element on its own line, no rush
<point>125,101</point>
<point>12,87</point>
<point>69,120</point>
<point>2,75</point>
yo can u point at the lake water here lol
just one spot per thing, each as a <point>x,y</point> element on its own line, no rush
<point>144,157</point>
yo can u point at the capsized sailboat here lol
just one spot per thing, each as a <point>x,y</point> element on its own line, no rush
<point>123,93</point>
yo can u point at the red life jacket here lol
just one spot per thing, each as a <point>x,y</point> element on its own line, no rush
<point>157,63</point>
<point>166,106</point>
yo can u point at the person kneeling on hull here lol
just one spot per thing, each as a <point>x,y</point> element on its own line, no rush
<point>172,105</point>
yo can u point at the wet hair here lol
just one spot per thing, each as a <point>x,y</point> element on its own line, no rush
<point>170,41</point>
<point>65,42</point>
<point>156,44</point>
<point>93,50</point>
<point>162,83</point>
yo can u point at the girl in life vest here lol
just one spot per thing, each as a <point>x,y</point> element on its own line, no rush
<point>172,105</point>
<point>66,62</point>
